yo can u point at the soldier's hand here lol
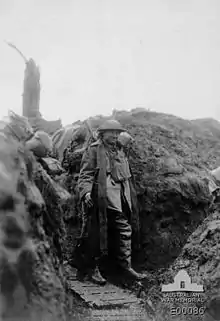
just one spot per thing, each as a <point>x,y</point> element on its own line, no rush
<point>88,200</point>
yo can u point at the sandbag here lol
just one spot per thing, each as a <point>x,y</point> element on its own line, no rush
<point>61,192</point>
<point>34,196</point>
<point>18,126</point>
<point>40,144</point>
<point>62,138</point>
<point>36,147</point>
<point>45,139</point>
<point>52,166</point>
<point>48,186</point>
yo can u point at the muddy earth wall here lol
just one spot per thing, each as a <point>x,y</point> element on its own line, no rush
<point>169,160</point>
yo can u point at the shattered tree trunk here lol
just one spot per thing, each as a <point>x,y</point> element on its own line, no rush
<point>31,97</point>
<point>49,296</point>
<point>31,88</point>
<point>31,93</point>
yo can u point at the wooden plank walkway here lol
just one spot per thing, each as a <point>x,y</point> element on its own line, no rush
<point>133,313</point>
<point>108,302</point>
<point>100,297</point>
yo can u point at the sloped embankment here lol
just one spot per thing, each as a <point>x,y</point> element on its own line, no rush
<point>169,160</point>
<point>32,286</point>
<point>200,258</point>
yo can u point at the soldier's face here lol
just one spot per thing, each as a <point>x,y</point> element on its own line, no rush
<point>110,137</point>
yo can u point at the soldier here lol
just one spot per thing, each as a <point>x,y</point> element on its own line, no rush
<point>105,193</point>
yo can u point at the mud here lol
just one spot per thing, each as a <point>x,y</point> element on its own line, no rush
<point>169,160</point>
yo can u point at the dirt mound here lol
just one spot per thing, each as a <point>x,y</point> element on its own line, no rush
<point>31,279</point>
<point>209,125</point>
<point>169,160</point>
<point>169,170</point>
<point>200,259</point>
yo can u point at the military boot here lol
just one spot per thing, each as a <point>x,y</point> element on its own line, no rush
<point>93,275</point>
<point>129,271</point>
<point>96,277</point>
<point>124,259</point>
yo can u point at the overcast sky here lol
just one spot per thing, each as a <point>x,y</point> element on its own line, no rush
<point>96,55</point>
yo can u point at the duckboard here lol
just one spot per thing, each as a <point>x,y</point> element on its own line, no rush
<point>99,297</point>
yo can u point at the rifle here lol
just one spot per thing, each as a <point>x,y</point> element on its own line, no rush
<point>91,136</point>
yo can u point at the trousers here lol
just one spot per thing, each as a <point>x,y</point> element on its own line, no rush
<point>87,253</point>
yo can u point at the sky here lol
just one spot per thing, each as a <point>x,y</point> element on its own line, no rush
<point>99,55</point>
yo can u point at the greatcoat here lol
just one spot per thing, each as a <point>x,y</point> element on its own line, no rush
<point>105,177</point>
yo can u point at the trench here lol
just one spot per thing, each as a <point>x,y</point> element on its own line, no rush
<point>159,250</point>
<point>155,259</point>
<point>80,311</point>
<point>166,224</point>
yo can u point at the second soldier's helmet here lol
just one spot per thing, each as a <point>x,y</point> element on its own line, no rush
<point>111,125</point>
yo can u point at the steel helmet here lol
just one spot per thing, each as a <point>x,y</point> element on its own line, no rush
<point>111,125</point>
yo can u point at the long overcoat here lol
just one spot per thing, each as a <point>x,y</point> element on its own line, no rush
<point>92,179</point>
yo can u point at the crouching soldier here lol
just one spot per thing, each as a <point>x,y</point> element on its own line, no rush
<point>105,193</point>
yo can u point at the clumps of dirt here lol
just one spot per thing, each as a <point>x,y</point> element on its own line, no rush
<point>202,253</point>
<point>170,160</point>
<point>169,172</point>
<point>200,258</point>
<point>15,242</point>
<point>31,279</point>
